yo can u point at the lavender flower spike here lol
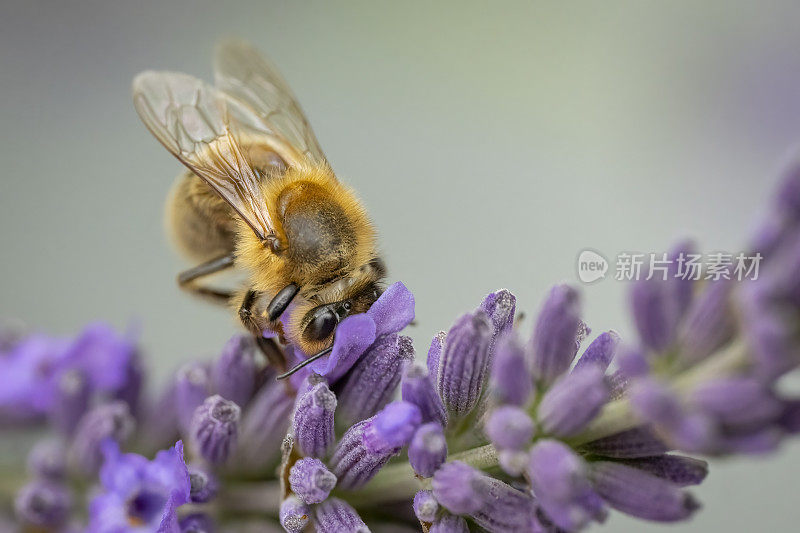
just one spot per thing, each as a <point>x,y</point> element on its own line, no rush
<point>559,479</point>
<point>641,494</point>
<point>311,480</point>
<point>233,376</point>
<point>294,515</point>
<point>556,334</point>
<point>335,516</point>
<point>428,449</point>
<point>214,428</point>
<point>313,421</point>
<point>464,362</point>
<point>573,401</point>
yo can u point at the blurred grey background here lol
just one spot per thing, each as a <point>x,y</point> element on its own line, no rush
<point>491,143</point>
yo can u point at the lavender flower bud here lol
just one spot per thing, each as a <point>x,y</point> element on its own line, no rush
<point>392,428</point>
<point>657,305</point>
<point>72,401</point>
<point>600,352</point>
<point>48,460</point>
<point>428,449</point>
<point>373,379</point>
<point>709,323</point>
<point>559,479</point>
<point>417,388</point>
<point>425,506</point>
<point>494,505</point>
<point>313,421</point>
<point>510,380</point>
<point>294,515</point>
<point>677,469</point>
<point>573,401</point>
<point>191,389</point>
<point>449,524</point>
<point>641,494</point>
<point>233,376</point>
<point>509,428</point>
<point>111,420</point>
<point>336,516</point>
<point>196,523</point>
<point>737,401</point>
<point>311,480</point>
<point>464,362</point>
<point>214,428</point>
<point>202,485</point>
<point>636,442</point>
<point>500,307</point>
<point>556,334</point>
<point>263,427</point>
<point>769,336</point>
<point>434,354</point>
<point>43,504</point>
<point>513,462</point>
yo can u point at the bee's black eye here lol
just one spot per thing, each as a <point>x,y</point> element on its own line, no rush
<point>322,325</point>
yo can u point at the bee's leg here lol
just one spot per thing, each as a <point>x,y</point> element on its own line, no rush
<point>251,322</point>
<point>187,277</point>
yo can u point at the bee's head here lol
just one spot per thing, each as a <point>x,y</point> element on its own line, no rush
<point>317,318</point>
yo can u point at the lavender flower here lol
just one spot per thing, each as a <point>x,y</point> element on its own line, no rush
<point>464,362</point>
<point>43,504</point>
<point>311,480</point>
<point>428,449</point>
<point>233,375</point>
<point>112,421</point>
<point>313,421</point>
<point>214,428</point>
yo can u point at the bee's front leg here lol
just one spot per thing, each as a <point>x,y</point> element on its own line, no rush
<point>256,323</point>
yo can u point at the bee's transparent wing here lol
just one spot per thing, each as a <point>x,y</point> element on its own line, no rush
<point>198,125</point>
<point>243,73</point>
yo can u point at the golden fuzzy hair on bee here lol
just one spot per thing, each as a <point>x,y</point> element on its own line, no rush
<point>322,228</point>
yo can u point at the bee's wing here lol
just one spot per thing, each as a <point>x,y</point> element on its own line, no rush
<point>243,73</point>
<point>198,124</point>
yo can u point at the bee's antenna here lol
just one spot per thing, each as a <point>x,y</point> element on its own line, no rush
<point>307,362</point>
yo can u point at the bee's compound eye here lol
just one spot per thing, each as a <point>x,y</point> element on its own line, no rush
<point>322,325</point>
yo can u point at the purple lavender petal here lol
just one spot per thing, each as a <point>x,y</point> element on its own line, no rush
<point>354,335</point>
<point>428,449</point>
<point>371,382</point>
<point>313,421</point>
<point>559,479</point>
<point>492,504</point>
<point>73,394</point>
<point>464,363</point>
<point>500,307</point>
<point>510,381</point>
<point>600,352</point>
<point>641,494</point>
<point>509,428</point>
<point>107,421</point>
<point>43,504</point>
<point>449,524</point>
<point>573,401</point>
<point>336,516</point>
<point>294,515</point>
<point>393,310</point>
<point>425,506</point>
<point>29,372</point>
<point>48,460</point>
<point>215,427</point>
<point>392,428</point>
<point>418,389</point>
<point>311,481</point>
<point>203,486</point>
<point>682,471</point>
<point>633,443</point>
<point>192,384</point>
<point>556,334</point>
<point>737,401</point>
<point>434,354</point>
<point>233,375</point>
<point>104,356</point>
<point>631,362</point>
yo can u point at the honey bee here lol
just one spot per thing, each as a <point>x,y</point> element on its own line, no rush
<point>259,197</point>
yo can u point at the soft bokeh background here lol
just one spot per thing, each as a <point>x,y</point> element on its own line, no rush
<point>491,143</point>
